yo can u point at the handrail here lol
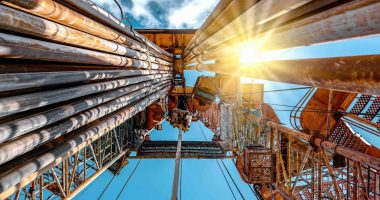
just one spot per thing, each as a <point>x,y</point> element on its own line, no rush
<point>297,110</point>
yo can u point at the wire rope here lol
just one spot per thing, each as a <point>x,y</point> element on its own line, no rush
<point>129,178</point>
<point>233,181</point>
<point>114,175</point>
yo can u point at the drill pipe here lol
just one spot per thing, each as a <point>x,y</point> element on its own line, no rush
<point>95,12</point>
<point>32,140</point>
<point>247,21</point>
<point>331,25</point>
<point>349,74</point>
<point>24,173</point>
<point>15,66</point>
<point>54,11</point>
<point>228,50</point>
<point>12,46</point>
<point>16,81</point>
<point>224,13</point>
<point>25,102</point>
<point>17,21</point>
<point>355,19</point>
<point>24,125</point>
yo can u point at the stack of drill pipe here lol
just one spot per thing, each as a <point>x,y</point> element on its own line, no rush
<point>287,24</point>
<point>67,77</point>
<point>22,172</point>
<point>224,12</point>
<point>98,13</point>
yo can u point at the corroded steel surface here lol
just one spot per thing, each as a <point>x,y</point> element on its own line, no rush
<point>350,74</point>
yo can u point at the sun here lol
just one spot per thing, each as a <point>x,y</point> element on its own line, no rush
<point>249,52</point>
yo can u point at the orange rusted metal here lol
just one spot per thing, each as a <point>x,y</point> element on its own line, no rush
<point>337,73</point>
<point>56,12</point>
<point>314,116</point>
<point>156,114</point>
<point>169,39</point>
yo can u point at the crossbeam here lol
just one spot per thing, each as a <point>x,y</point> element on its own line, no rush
<point>189,149</point>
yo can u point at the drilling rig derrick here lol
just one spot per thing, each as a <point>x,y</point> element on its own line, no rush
<point>81,91</point>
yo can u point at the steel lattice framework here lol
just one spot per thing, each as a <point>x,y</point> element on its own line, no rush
<point>80,90</point>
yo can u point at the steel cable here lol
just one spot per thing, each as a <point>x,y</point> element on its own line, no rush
<point>129,178</point>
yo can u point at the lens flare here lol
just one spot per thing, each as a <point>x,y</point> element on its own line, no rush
<point>249,52</point>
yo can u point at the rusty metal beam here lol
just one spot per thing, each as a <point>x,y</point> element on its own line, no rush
<point>284,194</point>
<point>225,12</point>
<point>358,74</point>
<point>95,175</point>
<point>331,25</point>
<point>355,19</point>
<point>58,182</point>
<point>331,172</point>
<point>318,142</point>
<point>349,153</point>
<point>303,164</point>
<point>247,21</point>
<point>320,178</point>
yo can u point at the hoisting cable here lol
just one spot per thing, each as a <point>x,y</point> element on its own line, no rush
<point>129,178</point>
<point>129,21</point>
<point>109,183</point>
<point>232,179</point>
<point>225,178</point>
<point>253,191</point>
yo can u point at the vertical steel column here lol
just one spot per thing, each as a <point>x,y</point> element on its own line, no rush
<point>278,154</point>
<point>313,175</point>
<point>328,113</point>
<point>41,182</point>
<point>319,175</point>
<point>355,188</point>
<point>289,162</point>
<point>377,186</point>
<point>177,165</point>
<point>348,178</point>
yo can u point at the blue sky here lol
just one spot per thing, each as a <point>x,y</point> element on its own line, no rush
<point>201,179</point>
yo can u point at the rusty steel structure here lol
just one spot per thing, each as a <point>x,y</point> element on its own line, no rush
<point>80,92</point>
<point>76,84</point>
<point>324,155</point>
